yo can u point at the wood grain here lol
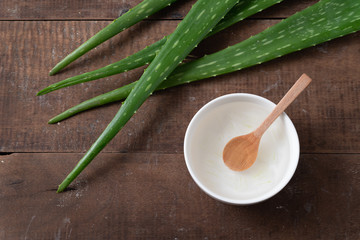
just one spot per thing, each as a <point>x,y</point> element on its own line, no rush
<point>110,9</point>
<point>152,196</point>
<point>326,115</point>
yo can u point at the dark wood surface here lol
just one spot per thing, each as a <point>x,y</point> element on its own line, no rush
<point>139,186</point>
<point>110,9</point>
<point>152,196</point>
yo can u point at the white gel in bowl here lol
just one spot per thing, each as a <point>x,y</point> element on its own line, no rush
<point>229,116</point>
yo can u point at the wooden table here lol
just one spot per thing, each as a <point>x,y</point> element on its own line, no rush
<point>139,187</point>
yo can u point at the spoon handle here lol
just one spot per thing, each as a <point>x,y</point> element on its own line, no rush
<point>289,97</point>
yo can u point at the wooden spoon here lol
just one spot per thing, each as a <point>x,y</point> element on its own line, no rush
<point>240,152</point>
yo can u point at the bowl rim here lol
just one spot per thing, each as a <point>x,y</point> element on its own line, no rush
<point>294,147</point>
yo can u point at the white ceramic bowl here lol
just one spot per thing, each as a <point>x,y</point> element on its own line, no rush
<point>229,116</point>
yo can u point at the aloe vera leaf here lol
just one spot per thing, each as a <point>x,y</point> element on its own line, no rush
<point>324,21</point>
<point>206,13</point>
<point>136,60</point>
<point>319,23</point>
<point>239,12</point>
<point>112,96</point>
<point>134,15</point>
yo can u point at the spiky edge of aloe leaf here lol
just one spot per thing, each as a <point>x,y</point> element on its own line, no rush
<point>206,13</point>
<point>246,54</point>
<point>239,12</point>
<point>134,15</point>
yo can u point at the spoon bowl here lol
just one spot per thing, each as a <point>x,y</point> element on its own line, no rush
<point>242,148</point>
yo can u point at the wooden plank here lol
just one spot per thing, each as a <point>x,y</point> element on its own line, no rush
<point>109,9</point>
<point>152,196</point>
<point>326,115</point>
